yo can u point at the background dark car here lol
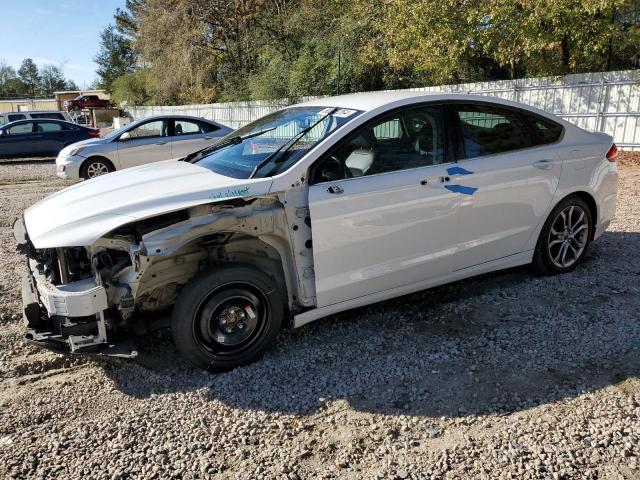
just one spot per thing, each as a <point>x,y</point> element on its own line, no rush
<point>86,101</point>
<point>41,138</point>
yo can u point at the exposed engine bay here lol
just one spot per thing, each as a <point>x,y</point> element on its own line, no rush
<point>82,298</point>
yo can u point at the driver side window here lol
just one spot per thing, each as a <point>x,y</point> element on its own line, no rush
<point>157,128</point>
<point>405,139</point>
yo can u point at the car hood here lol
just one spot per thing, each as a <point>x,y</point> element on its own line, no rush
<point>82,143</point>
<point>81,214</point>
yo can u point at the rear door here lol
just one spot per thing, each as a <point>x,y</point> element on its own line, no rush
<point>54,137</point>
<point>380,215</point>
<point>505,182</point>
<point>147,142</point>
<point>190,136</point>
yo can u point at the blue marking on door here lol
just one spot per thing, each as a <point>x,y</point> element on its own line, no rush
<point>458,171</point>
<point>461,189</point>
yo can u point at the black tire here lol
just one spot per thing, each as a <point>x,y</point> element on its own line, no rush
<point>93,163</point>
<point>206,318</point>
<point>548,258</point>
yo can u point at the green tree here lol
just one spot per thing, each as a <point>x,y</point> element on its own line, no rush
<point>10,84</point>
<point>115,57</point>
<point>197,51</point>
<point>51,80</point>
<point>28,74</point>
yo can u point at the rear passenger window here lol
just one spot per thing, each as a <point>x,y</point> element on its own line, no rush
<point>487,130</point>
<point>49,127</point>
<point>14,118</point>
<point>544,131</point>
<point>185,127</point>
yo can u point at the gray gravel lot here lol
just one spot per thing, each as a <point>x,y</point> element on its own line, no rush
<point>508,375</point>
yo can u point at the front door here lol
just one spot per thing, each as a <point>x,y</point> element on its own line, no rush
<point>381,216</point>
<point>20,140</point>
<point>507,182</point>
<point>146,143</point>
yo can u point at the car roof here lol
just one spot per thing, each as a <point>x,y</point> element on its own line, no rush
<point>31,112</point>
<point>368,101</point>
<point>41,120</point>
<point>177,116</point>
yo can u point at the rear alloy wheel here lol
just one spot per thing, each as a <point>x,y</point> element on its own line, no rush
<point>227,317</point>
<point>565,237</point>
<point>95,167</point>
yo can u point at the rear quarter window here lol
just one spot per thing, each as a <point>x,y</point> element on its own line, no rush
<point>544,131</point>
<point>207,127</point>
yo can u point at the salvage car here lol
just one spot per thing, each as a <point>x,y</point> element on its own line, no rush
<point>312,210</point>
<point>151,139</point>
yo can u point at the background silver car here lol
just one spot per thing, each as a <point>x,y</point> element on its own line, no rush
<point>151,139</point>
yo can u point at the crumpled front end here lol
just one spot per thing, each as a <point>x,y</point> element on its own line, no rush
<point>65,305</point>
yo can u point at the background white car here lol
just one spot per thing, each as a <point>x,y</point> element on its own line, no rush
<point>313,210</point>
<point>9,117</point>
<point>148,140</point>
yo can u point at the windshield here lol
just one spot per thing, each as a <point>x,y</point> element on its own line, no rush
<point>273,143</point>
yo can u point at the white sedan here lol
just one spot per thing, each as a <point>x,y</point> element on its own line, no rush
<point>316,209</point>
<point>150,139</point>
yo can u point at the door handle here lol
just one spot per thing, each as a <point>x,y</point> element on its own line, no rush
<point>208,138</point>
<point>161,143</point>
<point>440,179</point>
<point>543,164</point>
<point>335,189</point>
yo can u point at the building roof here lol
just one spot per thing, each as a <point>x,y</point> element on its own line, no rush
<point>80,92</point>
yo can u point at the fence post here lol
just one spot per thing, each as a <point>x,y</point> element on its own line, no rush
<point>604,106</point>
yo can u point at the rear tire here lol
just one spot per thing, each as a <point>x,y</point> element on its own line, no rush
<point>227,317</point>
<point>96,166</point>
<point>565,237</point>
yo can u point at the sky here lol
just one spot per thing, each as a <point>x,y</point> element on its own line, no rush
<point>55,32</point>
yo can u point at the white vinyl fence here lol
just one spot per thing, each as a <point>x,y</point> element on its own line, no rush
<point>602,101</point>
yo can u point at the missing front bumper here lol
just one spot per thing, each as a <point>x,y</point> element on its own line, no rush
<point>68,317</point>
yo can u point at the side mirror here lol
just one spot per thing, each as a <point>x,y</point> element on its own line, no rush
<point>3,133</point>
<point>125,136</point>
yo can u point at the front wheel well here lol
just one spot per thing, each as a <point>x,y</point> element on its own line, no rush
<point>97,157</point>
<point>87,162</point>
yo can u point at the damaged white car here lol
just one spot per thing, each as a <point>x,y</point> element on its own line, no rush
<point>309,211</point>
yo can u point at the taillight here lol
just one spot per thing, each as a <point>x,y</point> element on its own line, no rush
<point>612,154</point>
<point>94,132</point>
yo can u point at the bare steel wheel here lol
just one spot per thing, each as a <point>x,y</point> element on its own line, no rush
<point>227,317</point>
<point>94,167</point>
<point>565,237</point>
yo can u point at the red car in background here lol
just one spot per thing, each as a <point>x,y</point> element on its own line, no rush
<point>86,101</point>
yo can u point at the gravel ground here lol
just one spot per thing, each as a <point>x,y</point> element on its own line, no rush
<point>508,375</point>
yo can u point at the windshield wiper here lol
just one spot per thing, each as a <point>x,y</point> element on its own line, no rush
<point>237,140</point>
<point>291,142</point>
